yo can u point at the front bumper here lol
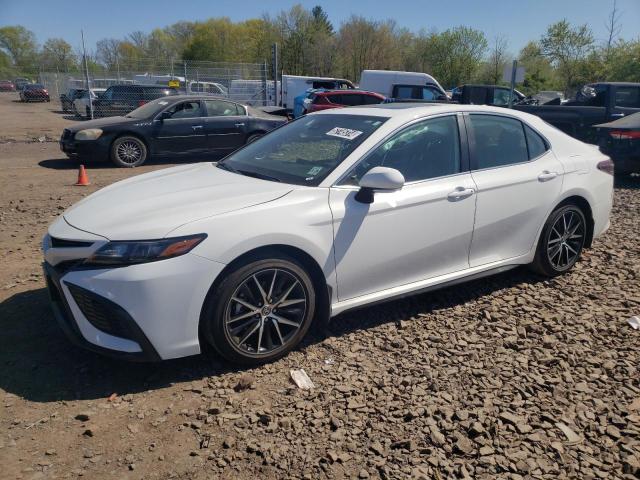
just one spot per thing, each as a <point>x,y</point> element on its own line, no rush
<point>144,312</point>
<point>86,150</point>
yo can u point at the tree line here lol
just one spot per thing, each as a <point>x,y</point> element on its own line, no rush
<point>565,57</point>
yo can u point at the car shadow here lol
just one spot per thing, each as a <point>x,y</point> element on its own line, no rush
<point>72,164</point>
<point>630,182</point>
<point>41,365</point>
<point>72,117</point>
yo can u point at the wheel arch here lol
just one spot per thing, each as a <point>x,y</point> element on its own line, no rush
<point>323,289</point>
<point>584,205</point>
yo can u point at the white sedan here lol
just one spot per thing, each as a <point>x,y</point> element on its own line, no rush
<point>336,210</point>
<point>81,106</point>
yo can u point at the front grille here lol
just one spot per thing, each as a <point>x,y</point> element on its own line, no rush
<point>62,243</point>
<point>100,312</point>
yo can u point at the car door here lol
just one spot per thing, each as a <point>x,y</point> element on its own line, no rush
<point>418,232</point>
<point>181,129</point>
<point>225,126</point>
<point>518,179</point>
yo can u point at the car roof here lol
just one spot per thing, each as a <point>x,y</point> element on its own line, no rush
<point>351,91</point>
<point>407,111</point>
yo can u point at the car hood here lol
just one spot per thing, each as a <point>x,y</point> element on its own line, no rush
<point>152,205</point>
<point>101,122</point>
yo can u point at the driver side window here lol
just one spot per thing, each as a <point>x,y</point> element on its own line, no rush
<point>425,150</point>
<point>186,110</point>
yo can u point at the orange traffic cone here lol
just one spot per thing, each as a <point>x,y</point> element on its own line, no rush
<point>83,179</point>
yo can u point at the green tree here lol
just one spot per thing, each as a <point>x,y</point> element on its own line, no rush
<point>539,73</point>
<point>20,44</point>
<point>57,54</point>
<point>568,48</point>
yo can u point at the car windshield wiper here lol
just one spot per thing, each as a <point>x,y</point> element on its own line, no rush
<point>261,176</point>
<point>226,167</point>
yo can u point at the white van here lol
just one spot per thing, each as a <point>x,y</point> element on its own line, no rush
<point>294,85</point>
<point>402,85</point>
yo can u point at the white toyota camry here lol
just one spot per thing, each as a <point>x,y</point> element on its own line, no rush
<point>333,211</point>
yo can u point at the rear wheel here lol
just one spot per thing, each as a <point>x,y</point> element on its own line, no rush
<point>128,151</point>
<point>561,241</point>
<point>260,311</point>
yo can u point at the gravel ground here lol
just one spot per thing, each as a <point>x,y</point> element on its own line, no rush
<point>514,376</point>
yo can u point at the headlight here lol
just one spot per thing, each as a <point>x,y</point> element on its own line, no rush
<point>130,253</point>
<point>89,134</point>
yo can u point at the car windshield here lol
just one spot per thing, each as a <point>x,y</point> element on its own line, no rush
<point>305,151</point>
<point>149,109</point>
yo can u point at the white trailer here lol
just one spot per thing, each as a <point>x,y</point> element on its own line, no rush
<point>294,85</point>
<point>395,84</point>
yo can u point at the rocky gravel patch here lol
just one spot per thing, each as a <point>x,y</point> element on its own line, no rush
<point>514,376</point>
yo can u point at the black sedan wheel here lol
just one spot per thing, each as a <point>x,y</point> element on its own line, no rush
<point>260,311</point>
<point>128,152</point>
<point>561,241</point>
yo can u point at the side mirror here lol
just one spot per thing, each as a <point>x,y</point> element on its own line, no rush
<point>163,115</point>
<point>379,178</point>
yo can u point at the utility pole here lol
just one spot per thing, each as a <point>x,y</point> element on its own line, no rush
<point>86,73</point>
<point>274,63</point>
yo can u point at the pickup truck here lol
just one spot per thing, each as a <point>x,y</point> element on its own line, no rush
<point>594,104</point>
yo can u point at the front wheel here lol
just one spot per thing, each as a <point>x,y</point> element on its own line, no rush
<point>260,311</point>
<point>128,152</point>
<point>561,241</point>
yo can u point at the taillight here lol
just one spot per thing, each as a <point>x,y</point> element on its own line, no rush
<point>606,166</point>
<point>141,102</point>
<point>625,134</point>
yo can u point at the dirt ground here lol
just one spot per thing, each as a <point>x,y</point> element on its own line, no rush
<point>514,376</point>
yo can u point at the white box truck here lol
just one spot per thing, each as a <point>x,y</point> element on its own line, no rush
<point>294,85</point>
<point>402,85</point>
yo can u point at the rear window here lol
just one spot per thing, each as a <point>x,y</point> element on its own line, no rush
<point>628,97</point>
<point>535,143</point>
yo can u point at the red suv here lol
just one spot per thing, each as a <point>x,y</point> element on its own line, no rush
<point>340,98</point>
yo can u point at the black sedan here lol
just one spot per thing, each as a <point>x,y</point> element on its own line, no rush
<point>170,126</point>
<point>620,140</point>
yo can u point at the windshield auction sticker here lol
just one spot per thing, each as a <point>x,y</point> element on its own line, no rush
<point>346,133</point>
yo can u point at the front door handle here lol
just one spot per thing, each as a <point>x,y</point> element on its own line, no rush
<point>239,124</point>
<point>617,115</point>
<point>547,175</point>
<point>196,127</point>
<point>460,193</point>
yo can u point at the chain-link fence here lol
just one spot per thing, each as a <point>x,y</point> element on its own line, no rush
<point>101,90</point>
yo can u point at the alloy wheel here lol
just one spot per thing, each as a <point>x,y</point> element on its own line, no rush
<point>565,241</point>
<point>266,311</point>
<point>129,152</point>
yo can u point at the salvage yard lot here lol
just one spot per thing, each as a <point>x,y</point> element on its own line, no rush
<point>513,376</point>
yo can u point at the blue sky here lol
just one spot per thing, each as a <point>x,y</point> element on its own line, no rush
<point>520,21</point>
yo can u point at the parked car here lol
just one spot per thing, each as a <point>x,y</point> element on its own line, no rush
<point>34,92</point>
<point>81,106</point>
<point>7,86</point>
<point>122,99</point>
<point>178,125</point>
<point>595,103</point>
<point>495,95</point>
<point>402,85</point>
<point>66,99</point>
<point>620,140</point>
<point>295,85</point>
<point>20,82</point>
<point>327,99</point>
<point>333,211</point>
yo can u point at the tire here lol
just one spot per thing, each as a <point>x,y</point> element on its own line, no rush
<point>253,137</point>
<point>128,151</point>
<point>566,227</point>
<point>246,336</point>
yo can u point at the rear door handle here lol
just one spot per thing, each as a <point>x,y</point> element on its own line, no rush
<point>617,115</point>
<point>546,176</point>
<point>239,124</point>
<point>460,193</point>
<point>196,127</point>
